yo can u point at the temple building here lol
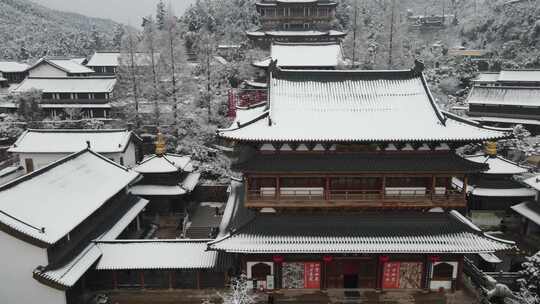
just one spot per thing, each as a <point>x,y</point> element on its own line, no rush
<point>347,183</point>
<point>37,148</point>
<point>49,220</point>
<point>295,21</point>
<point>13,72</point>
<point>507,98</point>
<point>167,180</point>
<point>529,211</point>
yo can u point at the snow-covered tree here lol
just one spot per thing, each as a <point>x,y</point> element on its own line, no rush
<point>239,292</point>
<point>530,282</point>
<point>161,14</point>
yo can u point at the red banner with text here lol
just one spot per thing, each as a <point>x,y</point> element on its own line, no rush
<point>312,275</point>
<point>391,275</point>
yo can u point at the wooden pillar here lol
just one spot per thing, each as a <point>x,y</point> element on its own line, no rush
<point>198,279</point>
<point>426,273</point>
<point>378,273</point>
<point>433,185</point>
<point>115,279</point>
<point>278,188</point>
<point>459,273</point>
<point>142,279</point>
<point>383,187</point>
<point>246,187</point>
<point>171,279</point>
<point>327,189</point>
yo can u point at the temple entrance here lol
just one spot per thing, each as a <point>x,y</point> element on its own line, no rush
<point>351,273</point>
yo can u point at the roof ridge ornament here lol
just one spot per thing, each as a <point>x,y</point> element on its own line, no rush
<point>161,145</point>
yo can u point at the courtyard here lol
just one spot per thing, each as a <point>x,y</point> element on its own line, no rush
<point>335,296</point>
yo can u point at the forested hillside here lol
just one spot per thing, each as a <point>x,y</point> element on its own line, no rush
<point>29,31</point>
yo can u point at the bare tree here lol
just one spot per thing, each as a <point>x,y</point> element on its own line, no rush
<point>150,43</point>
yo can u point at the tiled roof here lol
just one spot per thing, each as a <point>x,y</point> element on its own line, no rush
<point>530,210</point>
<point>70,273</point>
<point>304,55</point>
<point>49,203</point>
<point>354,106</point>
<point>359,162</point>
<point>362,233</point>
<point>104,59</point>
<point>520,76</point>
<point>167,163</point>
<point>497,164</point>
<point>13,67</point>
<point>67,85</point>
<point>72,140</point>
<point>157,190</point>
<point>514,96</point>
<point>533,182</point>
<point>157,254</point>
<point>261,33</point>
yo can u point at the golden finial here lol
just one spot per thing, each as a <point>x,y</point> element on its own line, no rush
<point>161,146</point>
<point>491,148</point>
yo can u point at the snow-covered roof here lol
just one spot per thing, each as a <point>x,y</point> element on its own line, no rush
<point>67,275</point>
<point>72,271</point>
<point>166,163</point>
<point>67,84</point>
<point>520,76</point>
<point>157,190</point>
<point>512,192</point>
<point>497,164</point>
<point>114,59</point>
<point>514,96</point>
<point>534,182</point>
<point>156,254</point>
<point>296,33</point>
<point>447,232</point>
<point>304,55</point>
<point>530,210</point>
<point>50,202</point>
<point>72,140</point>
<point>104,59</point>
<point>191,181</point>
<point>75,105</point>
<point>13,67</point>
<point>487,77</point>
<point>507,120</point>
<point>68,65</point>
<point>362,106</point>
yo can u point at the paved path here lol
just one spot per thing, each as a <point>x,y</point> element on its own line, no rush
<point>296,297</point>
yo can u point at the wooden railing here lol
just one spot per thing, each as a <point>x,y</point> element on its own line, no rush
<point>321,194</point>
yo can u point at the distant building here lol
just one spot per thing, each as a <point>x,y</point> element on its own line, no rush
<point>38,148</point>
<point>295,21</point>
<point>58,67</point>
<point>107,63</point>
<point>13,72</point>
<point>506,99</point>
<point>49,220</point>
<point>86,97</point>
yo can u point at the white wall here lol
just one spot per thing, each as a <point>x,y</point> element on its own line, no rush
<point>46,70</point>
<point>19,259</point>
<point>40,159</point>
<point>128,156</point>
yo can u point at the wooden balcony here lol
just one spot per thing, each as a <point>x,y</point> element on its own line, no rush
<point>390,198</point>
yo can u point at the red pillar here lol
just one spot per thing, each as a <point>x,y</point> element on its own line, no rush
<point>278,191</point>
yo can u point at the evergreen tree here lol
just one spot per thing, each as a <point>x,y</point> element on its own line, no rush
<point>161,15</point>
<point>118,35</point>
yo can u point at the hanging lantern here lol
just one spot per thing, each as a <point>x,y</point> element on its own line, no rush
<point>434,258</point>
<point>328,258</point>
<point>278,259</point>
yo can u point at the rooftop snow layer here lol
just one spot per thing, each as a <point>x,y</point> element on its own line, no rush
<point>520,76</point>
<point>156,254</point>
<point>70,141</point>
<point>167,163</point>
<point>515,96</point>
<point>304,55</point>
<point>13,67</point>
<point>497,164</point>
<point>361,106</point>
<point>49,203</point>
<point>67,85</point>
